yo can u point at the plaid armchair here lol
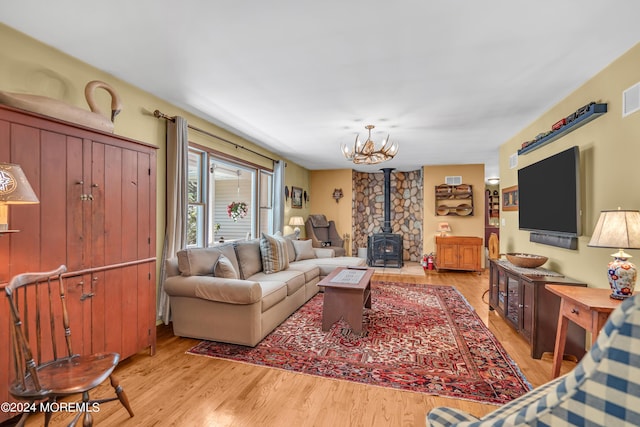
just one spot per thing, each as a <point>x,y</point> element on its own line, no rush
<point>603,389</point>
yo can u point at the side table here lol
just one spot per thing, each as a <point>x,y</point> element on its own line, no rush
<point>587,307</point>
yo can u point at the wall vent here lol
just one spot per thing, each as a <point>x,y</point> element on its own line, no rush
<point>631,100</point>
<point>453,180</point>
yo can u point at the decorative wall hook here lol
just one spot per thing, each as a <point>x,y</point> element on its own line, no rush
<point>337,194</point>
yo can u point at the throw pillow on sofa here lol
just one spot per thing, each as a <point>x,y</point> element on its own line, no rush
<point>274,253</point>
<point>224,268</point>
<point>304,249</point>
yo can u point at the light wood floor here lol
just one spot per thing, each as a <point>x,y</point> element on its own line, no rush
<point>174,389</point>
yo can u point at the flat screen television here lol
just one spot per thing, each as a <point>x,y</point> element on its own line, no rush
<point>549,195</point>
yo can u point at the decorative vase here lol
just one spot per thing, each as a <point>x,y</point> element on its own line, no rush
<point>622,277</point>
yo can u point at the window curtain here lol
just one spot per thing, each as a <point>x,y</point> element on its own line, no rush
<point>175,237</point>
<point>278,198</point>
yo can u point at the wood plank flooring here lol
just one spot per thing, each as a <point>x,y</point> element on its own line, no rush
<point>174,389</point>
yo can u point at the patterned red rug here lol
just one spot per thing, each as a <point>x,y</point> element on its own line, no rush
<point>421,338</point>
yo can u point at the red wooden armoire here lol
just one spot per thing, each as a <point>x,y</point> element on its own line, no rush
<point>97,215</point>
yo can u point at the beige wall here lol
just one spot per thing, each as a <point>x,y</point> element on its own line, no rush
<point>323,182</point>
<point>296,176</point>
<point>609,163</point>
<point>472,225</point>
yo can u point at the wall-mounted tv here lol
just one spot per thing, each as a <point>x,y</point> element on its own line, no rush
<point>549,199</point>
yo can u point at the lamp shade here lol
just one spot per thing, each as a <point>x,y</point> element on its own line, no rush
<point>443,227</point>
<point>14,190</point>
<point>14,187</point>
<point>617,229</point>
<point>296,220</point>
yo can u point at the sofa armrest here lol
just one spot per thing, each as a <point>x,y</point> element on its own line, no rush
<point>324,253</point>
<point>232,291</point>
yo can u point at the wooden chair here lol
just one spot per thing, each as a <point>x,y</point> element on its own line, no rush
<point>40,330</point>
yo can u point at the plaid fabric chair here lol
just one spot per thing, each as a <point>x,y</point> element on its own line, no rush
<point>603,389</point>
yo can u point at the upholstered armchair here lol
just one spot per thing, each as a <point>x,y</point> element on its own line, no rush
<point>602,390</point>
<point>323,234</point>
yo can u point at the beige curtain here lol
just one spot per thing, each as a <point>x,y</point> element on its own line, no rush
<point>278,199</point>
<point>175,237</point>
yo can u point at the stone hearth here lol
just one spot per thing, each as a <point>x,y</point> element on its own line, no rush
<point>406,209</point>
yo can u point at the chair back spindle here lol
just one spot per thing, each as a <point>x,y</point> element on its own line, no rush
<point>28,326</point>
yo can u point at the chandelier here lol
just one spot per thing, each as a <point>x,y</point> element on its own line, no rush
<point>366,153</point>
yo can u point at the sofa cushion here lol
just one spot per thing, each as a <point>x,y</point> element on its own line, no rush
<point>291,251</point>
<point>273,292</point>
<point>249,257</point>
<point>311,271</point>
<point>304,249</point>
<point>293,279</point>
<point>224,268</point>
<point>274,253</point>
<point>197,261</point>
<point>327,265</point>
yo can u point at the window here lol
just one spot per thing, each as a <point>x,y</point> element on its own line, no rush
<point>212,189</point>
<point>195,196</point>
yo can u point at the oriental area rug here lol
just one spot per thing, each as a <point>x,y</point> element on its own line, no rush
<point>420,338</point>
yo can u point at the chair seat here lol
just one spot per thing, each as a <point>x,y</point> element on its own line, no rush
<point>71,375</point>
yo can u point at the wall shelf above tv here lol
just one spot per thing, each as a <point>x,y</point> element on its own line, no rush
<point>594,111</point>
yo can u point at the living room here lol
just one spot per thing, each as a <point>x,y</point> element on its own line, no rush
<point>607,164</point>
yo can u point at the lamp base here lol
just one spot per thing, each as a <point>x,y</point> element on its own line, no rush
<point>622,276</point>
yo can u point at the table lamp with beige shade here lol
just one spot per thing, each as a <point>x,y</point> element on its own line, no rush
<point>619,229</point>
<point>14,190</point>
<point>296,221</point>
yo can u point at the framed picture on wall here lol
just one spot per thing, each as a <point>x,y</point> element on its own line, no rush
<point>296,197</point>
<point>510,198</point>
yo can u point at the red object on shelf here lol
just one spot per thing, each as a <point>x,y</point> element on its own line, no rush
<point>557,125</point>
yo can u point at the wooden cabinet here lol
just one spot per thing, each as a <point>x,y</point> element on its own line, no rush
<point>458,253</point>
<point>454,199</point>
<point>522,300</point>
<point>97,215</point>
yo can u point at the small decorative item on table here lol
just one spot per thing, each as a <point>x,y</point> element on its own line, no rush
<point>526,260</point>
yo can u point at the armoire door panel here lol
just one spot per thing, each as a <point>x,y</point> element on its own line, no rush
<point>114,320</point>
<point>129,218</point>
<point>53,195</point>
<point>76,233</point>
<point>143,249</point>
<point>97,189</point>
<point>113,199</point>
<point>130,290</point>
<point>100,317</point>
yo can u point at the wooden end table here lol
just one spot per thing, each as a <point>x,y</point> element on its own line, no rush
<point>587,307</point>
<point>346,292</point>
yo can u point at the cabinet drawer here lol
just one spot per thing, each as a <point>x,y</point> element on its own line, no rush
<point>577,313</point>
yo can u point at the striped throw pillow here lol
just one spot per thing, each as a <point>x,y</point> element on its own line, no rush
<point>274,253</point>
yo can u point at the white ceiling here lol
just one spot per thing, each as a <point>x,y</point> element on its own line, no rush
<point>449,80</point>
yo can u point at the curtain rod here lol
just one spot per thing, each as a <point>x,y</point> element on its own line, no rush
<point>160,115</point>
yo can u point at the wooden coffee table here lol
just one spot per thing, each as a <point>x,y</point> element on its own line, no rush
<point>346,292</point>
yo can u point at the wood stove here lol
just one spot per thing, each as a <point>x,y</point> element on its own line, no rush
<point>385,249</point>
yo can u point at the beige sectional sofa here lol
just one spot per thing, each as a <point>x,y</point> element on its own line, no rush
<point>223,293</point>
